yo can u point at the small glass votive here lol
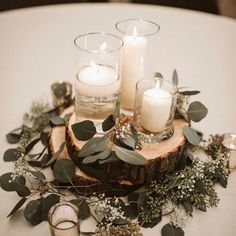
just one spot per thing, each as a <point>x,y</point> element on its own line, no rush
<point>61,93</point>
<point>138,57</point>
<point>229,142</point>
<point>63,219</point>
<point>155,104</point>
<point>97,85</point>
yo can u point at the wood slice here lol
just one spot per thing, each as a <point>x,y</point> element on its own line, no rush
<point>161,158</point>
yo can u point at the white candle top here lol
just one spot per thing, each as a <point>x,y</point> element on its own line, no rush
<point>97,81</point>
<point>156,107</point>
<point>97,75</point>
<point>157,93</point>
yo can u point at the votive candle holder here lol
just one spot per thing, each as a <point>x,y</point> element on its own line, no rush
<point>63,219</point>
<point>154,109</point>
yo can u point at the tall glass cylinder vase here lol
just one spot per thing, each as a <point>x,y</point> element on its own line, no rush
<point>97,85</point>
<point>139,53</point>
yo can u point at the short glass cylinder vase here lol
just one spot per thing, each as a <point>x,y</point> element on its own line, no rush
<point>138,57</point>
<point>229,142</point>
<point>155,104</point>
<point>97,85</point>
<point>61,94</point>
<point>63,219</point>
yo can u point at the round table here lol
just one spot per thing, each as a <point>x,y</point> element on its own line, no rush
<point>36,48</point>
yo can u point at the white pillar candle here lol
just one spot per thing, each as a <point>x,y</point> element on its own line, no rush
<point>97,81</point>
<point>155,111</point>
<point>132,67</point>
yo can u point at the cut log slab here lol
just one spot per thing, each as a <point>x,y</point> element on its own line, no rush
<point>162,158</point>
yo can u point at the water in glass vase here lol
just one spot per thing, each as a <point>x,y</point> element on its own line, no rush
<point>95,109</point>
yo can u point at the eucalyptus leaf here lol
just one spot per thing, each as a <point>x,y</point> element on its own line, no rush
<point>55,156</point>
<point>133,197</point>
<point>120,222</point>
<point>112,158</point>
<point>33,155</point>
<point>47,203</point>
<point>46,157</point>
<point>179,231</point>
<point>189,93</point>
<point>8,184</point>
<point>188,207</point>
<point>39,175</point>
<point>22,190</point>
<point>44,138</point>
<point>17,206</point>
<point>100,156</point>
<point>36,211</point>
<point>108,123</point>
<point>191,135</point>
<point>84,130</point>
<point>13,137</point>
<point>200,186</point>
<point>170,230</point>
<point>116,114</point>
<point>158,75</point>
<point>11,155</point>
<point>88,148</point>
<point>223,182</point>
<point>60,90</point>
<point>129,156</point>
<point>141,201</point>
<point>64,170</point>
<point>31,145</point>
<point>83,207</point>
<point>33,211</point>
<point>34,163</point>
<point>197,111</point>
<point>201,204</point>
<point>57,121</point>
<point>94,145</point>
<point>131,210</point>
<point>129,141</point>
<point>152,222</point>
<point>94,172</point>
<point>175,79</point>
<point>102,144</point>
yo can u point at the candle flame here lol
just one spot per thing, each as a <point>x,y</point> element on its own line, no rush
<point>158,85</point>
<point>94,66</point>
<point>103,46</point>
<point>135,32</point>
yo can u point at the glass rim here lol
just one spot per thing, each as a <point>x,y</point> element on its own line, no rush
<point>97,51</point>
<point>138,19</point>
<point>230,137</point>
<point>94,85</point>
<point>54,207</point>
<point>152,79</point>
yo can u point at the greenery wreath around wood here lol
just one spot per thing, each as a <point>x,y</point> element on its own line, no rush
<point>191,185</point>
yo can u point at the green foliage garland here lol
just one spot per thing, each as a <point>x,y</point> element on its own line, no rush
<point>190,186</point>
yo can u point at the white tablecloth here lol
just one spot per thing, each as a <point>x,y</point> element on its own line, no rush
<point>36,48</point>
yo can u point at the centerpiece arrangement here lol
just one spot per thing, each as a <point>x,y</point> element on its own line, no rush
<point>125,169</point>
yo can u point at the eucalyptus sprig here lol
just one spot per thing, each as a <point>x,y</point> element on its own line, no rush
<point>118,143</point>
<point>196,111</point>
<point>189,186</point>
